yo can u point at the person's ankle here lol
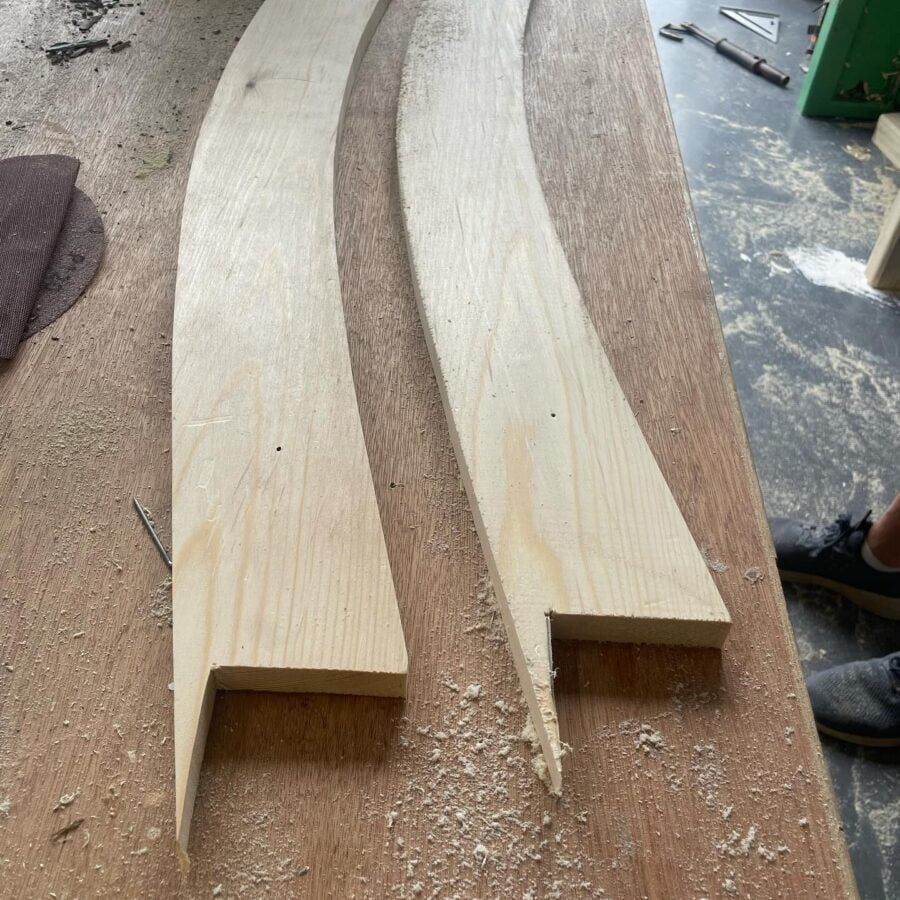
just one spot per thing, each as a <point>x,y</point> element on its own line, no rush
<point>874,555</point>
<point>883,538</point>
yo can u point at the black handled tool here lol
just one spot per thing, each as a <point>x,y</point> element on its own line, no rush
<point>744,58</point>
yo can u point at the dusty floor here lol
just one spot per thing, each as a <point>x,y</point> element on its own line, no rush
<point>788,211</point>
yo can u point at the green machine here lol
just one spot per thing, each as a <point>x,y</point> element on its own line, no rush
<point>855,68</point>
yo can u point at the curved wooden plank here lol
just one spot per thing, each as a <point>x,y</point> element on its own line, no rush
<point>574,516</point>
<point>281,573</point>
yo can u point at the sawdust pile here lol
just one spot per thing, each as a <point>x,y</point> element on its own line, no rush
<point>491,828</point>
<point>455,767</point>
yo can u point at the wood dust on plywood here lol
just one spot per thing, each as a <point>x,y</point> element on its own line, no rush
<point>161,603</point>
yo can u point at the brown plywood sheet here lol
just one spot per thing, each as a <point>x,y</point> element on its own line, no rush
<point>691,774</point>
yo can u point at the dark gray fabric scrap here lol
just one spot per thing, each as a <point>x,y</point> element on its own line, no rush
<point>76,257</point>
<point>34,197</point>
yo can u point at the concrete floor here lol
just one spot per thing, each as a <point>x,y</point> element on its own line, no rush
<point>788,210</point>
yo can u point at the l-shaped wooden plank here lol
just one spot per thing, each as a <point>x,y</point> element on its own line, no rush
<point>281,576</point>
<point>575,518</point>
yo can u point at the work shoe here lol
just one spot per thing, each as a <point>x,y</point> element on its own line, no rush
<point>859,702</point>
<point>830,556</point>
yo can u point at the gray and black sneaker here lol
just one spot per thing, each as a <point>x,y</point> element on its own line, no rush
<point>859,702</point>
<point>830,556</point>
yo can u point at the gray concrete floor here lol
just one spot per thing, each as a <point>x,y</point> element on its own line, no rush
<point>788,210</point>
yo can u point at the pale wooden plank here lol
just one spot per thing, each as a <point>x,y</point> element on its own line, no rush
<point>883,266</point>
<point>887,137</point>
<point>282,580</point>
<point>575,518</point>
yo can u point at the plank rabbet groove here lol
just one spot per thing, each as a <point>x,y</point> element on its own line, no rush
<point>282,581</point>
<point>574,516</point>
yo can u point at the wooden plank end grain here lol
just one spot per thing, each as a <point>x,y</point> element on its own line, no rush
<point>887,137</point>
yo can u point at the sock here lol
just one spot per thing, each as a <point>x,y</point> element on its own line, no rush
<point>872,560</point>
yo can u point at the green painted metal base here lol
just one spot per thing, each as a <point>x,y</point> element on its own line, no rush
<point>855,69</point>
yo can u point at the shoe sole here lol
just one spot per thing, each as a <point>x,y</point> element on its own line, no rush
<point>858,739</point>
<point>886,607</point>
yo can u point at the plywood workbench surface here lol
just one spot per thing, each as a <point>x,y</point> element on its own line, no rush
<point>692,773</point>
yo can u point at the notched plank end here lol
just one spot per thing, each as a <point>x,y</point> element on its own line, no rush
<point>193,715</point>
<point>687,632</point>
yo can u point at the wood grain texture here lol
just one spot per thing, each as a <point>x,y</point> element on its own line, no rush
<point>883,266</point>
<point>282,580</point>
<point>323,784</point>
<point>886,137</point>
<point>575,519</point>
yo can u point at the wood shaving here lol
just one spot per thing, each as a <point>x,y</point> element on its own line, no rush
<point>713,564</point>
<point>753,575</point>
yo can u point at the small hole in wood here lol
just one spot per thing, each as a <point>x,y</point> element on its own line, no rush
<point>278,449</point>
